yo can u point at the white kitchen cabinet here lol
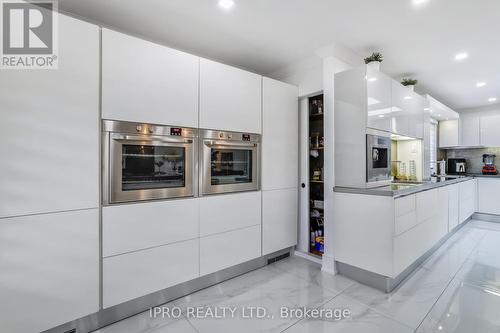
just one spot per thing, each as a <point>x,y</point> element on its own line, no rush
<point>427,205</point>
<point>405,214</point>
<point>443,215</point>
<point>279,135</point>
<point>454,206</point>
<point>467,199</point>
<point>407,111</point>
<point>132,227</point>
<point>227,249</point>
<point>137,274</point>
<point>221,213</point>
<point>50,129</point>
<point>469,130</point>
<point>147,82</point>
<point>49,266</point>
<point>279,219</point>
<point>379,103</point>
<point>448,133</point>
<point>488,191</point>
<point>230,98</point>
<point>490,130</point>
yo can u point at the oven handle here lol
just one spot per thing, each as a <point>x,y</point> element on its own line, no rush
<point>211,143</point>
<point>151,139</point>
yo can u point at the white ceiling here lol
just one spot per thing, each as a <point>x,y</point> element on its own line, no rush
<point>266,35</point>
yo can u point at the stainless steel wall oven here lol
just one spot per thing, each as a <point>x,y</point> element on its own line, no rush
<point>378,158</point>
<point>230,162</point>
<point>146,162</point>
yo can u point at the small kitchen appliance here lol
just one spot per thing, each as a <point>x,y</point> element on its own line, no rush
<point>457,166</point>
<point>489,167</point>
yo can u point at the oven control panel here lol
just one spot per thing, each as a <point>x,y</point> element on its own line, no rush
<point>245,137</point>
<point>176,131</point>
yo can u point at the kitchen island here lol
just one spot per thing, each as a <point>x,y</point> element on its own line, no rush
<point>380,235</point>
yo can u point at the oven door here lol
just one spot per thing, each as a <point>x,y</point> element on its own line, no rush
<point>229,167</point>
<point>143,167</point>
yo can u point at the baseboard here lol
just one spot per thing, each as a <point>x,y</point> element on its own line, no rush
<point>119,312</point>
<point>486,217</point>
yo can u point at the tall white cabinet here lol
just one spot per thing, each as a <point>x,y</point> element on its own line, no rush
<point>279,165</point>
<point>147,82</point>
<point>49,193</point>
<point>230,98</point>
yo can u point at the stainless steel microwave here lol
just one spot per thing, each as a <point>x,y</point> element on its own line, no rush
<point>146,162</point>
<point>378,158</point>
<point>229,162</point>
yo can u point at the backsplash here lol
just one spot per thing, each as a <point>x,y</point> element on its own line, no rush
<point>474,157</point>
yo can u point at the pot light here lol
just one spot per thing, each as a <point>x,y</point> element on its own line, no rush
<point>226,4</point>
<point>419,2</point>
<point>492,99</point>
<point>381,116</point>
<point>407,97</point>
<point>461,56</point>
<point>480,84</point>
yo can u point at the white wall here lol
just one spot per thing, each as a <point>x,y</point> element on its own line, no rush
<point>306,74</point>
<point>482,111</point>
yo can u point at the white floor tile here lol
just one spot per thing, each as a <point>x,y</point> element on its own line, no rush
<point>464,309</point>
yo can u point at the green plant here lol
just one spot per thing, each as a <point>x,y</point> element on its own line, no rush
<point>409,82</point>
<point>376,56</point>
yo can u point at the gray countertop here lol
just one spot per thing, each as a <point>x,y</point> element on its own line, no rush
<point>480,175</point>
<point>401,189</point>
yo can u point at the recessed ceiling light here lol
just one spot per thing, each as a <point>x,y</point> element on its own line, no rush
<point>372,79</point>
<point>381,116</point>
<point>480,84</point>
<point>439,115</point>
<point>492,99</point>
<point>407,97</point>
<point>419,2</point>
<point>427,109</point>
<point>226,4</point>
<point>461,56</point>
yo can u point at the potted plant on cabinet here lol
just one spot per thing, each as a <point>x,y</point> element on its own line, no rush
<point>374,60</point>
<point>410,83</point>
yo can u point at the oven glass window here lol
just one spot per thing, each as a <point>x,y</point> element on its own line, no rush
<point>231,166</point>
<point>379,158</point>
<point>152,167</point>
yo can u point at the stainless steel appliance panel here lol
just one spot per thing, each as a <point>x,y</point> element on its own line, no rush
<point>146,162</point>
<point>230,162</point>
<point>378,158</point>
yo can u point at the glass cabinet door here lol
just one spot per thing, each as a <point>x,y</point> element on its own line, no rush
<point>230,166</point>
<point>152,167</point>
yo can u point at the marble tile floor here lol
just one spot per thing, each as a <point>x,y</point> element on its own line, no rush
<point>456,290</point>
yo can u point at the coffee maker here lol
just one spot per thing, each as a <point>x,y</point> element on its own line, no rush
<point>489,167</point>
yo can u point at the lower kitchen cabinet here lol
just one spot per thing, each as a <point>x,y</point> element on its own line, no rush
<point>136,274</point>
<point>221,213</point>
<point>139,226</point>
<point>467,199</point>
<point>279,219</point>
<point>453,206</point>
<point>488,190</point>
<point>49,268</point>
<point>229,248</point>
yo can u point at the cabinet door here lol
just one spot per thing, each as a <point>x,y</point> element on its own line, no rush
<point>229,248</point>
<point>137,274</point>
<point>488,191</point>
<point>469,130</point>
<point>147,82</point>
<point>467,199</point>
<point>50,129</point>
<point>230,98</point>
<point>448,133</point>
<point>442,218</point>
<point>490,133</point>
<point>402,106</point>
<point>49,268</point>
<point>453,211</point>
<point>279,135</point>
<point>378,93</point>
<point>221,213</point>
<point>279,219</point>
<point>139,226</point>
